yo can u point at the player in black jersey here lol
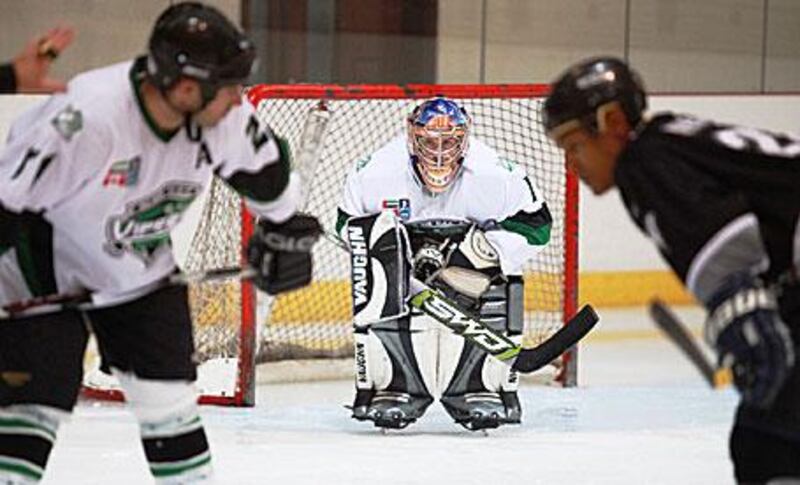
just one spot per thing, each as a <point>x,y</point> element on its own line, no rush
<point>721,203</point>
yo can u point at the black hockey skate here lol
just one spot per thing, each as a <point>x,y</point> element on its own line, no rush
<point>483,410</point>
<point>389,409</point>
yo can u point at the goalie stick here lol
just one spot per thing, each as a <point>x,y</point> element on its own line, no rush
<point>522,359</point>
<point>676,331</point>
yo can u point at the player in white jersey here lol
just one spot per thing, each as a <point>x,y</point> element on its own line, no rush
<point>91,183</point>
<point>461,212</point>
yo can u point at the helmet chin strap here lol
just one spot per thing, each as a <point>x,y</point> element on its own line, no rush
<point>207,94</point>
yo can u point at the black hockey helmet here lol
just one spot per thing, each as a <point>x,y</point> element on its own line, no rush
<point>577,94</point>
<point>197,41</point>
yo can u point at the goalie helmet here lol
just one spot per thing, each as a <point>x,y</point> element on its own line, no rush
<point>197,41</point>
<point>586,87</point>
<point>438,138</point>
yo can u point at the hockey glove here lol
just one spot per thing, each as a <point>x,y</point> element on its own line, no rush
<point>427,261</point>
<point>464,286</point>
<point>471,266</point>
<point>281,253</point>
<point>749,335</point>
<point>476,252</point>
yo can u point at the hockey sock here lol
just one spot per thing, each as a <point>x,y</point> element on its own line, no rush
<point>172,432</point>
<point>177,449</point>
<point>27,434</point>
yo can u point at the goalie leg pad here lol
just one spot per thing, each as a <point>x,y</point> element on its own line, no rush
<point>380,268</point>
<point>172,433</point>
<point>481,392</point>
<point>27,435</point>
<point>390,387</point>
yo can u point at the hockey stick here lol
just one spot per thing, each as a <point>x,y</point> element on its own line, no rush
<point>524,360</point>
<point>676,331</point>
<point>83,300</point>
<point>452,316</point>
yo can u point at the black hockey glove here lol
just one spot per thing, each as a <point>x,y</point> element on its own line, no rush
<point>281,253</point>
<point>749,335</point>
<point>427,261</point>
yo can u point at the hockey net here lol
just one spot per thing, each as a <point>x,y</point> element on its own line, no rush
<point>237,328</point>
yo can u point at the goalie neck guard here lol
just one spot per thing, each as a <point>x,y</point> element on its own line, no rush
<point>583,89</point>
<point>198,42</point>
<point>438,138</point>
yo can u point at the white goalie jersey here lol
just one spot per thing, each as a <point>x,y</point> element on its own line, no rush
<point>489,188</point>
<point>90,189</point>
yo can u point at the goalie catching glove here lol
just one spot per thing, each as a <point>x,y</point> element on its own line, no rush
<point>465,273</point>
<point>281,253</point>
<point>749,335</point>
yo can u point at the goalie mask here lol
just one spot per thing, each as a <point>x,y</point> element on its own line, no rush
<point>438,138</point>
<point>198,42</point>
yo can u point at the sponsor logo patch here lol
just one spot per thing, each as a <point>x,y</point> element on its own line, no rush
<point>123,173</point>
<point>400,207</point>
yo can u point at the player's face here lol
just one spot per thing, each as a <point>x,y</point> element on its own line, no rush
<point>593,157</point>
<point>227,98</point>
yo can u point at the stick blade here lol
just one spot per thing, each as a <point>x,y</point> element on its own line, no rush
<point>576,328</point>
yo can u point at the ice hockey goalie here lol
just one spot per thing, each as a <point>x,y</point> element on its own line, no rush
<point>443,207</point>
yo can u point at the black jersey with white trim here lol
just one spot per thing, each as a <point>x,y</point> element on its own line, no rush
<point>684,179</point>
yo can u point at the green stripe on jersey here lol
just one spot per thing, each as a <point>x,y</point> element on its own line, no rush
<point>341,219</point>
<point>536,236</point>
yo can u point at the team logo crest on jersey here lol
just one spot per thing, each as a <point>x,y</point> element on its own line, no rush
<point>143,229</point>
<point>400,207</point>
<point>123,173</point>
<point>68,121</point>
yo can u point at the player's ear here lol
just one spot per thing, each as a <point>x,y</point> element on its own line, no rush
<point>611,119</point>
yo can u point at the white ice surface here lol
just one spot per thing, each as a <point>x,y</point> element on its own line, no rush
<point>640,415</point>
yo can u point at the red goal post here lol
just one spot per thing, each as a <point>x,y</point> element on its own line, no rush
<point>237,328</point>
